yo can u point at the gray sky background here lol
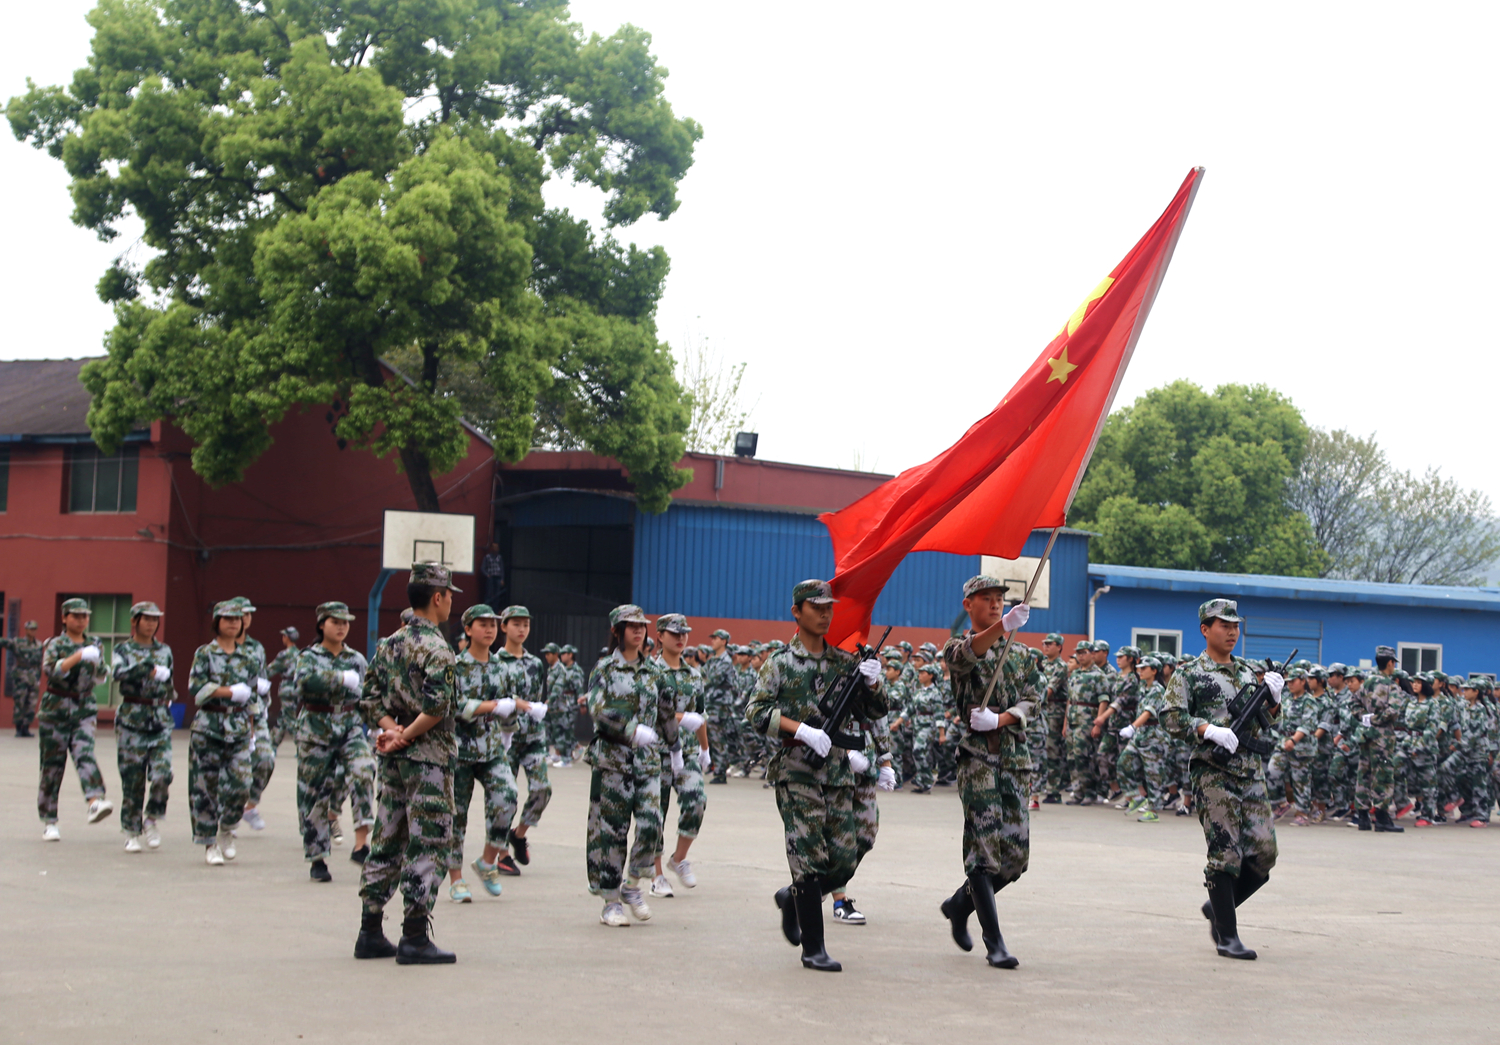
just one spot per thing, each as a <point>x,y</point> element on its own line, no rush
<point>894,208</point>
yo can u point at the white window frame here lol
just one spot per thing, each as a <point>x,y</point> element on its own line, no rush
<point>1136,633</point>
<point>1402,647</point>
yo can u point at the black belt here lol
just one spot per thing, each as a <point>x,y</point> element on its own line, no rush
<point>149,702</point>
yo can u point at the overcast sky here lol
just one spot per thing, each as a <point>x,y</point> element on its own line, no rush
<point>894,208</point>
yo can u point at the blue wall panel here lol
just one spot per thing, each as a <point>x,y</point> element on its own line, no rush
<point>926,591</point>
<point>573,509</point>
<point>1068,603</point>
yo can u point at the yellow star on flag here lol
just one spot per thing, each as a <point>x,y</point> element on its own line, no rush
<point>1061,368</point>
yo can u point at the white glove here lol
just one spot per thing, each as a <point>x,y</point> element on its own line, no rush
<point>858,762</point>
<point>240,693</point>
<point>504,707</point>
<point>90,653</point>
<point>645,736</point>
<point>537,711</point>
<point>984,720</point>
<point>704,759</point>
<point>162,673</point>
<point>1275,682</point>
<point>351,679</point>
<point>1127,732</point>
<point>677,761</point>
<point>262,686</point>
<point>1223,736</point>
<point>887,781</point>
<point>814,738</point>
<point>869,670</point>
<point>690,722</point>
<point>1368,721</point>
<point>505,739</point>
<point>1016,617</point>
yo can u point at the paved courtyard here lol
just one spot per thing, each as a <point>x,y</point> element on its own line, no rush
<point>1362,937</point>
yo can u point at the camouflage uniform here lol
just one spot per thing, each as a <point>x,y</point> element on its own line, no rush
<point>24,674</point>
<point>1124,695</point>
<point>284,666</point>
<point>143,732</point>
<point>1087,689</point>
<point>331,736</point>
<point>1375,780</point>
<point>528,748</point>
<point>481,759</point>
<point>565,684</point>
<point>1423,721</point>
<point>1054,714</point>
<point>686,684</point>
<point>66,724</point>
<point>262,750</point>
<point>1144,762</point>
<point>721,699</point>
<point>1469,765</point>
<point>220,762</point>
<point>925,710</point>
<point>1299,713</point>
<point>412,674</point>
<point>899,727</point>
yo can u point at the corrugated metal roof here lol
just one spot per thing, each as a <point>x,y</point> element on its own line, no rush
<point>41,397</point>
<point>1311,589</point>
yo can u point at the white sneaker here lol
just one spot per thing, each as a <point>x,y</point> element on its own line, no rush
<point>214,856</point>
<point>254,819</point>
<point>51,834</point>
<point>133,844</point>
<point>338,833</point>
<point>684,872</point>
<point>661,887</point>
<point>99,808</point>
<point>636,901</point>
<point>152,836</point>
<point>614,916</point>
<point>226,845</point>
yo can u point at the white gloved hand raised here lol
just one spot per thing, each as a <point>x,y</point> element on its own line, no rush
<point>814,738</point>
<point>162,673</point>
<point>984,720</point>
<point>90,653</point>
<point>887,781</point>
<point>644,736</point>
<point>677,762</point>
<point>537,711</point>
<point>262,686</point>
<point>1225,737</point>
<point>704,759</point>
<point>1368,721</point>
<point>1275,682</point>
<point>504,707</point>
<point>690,722</point>
<point>1127,732</point>
<point>858,761</point>
<point>240,693</point>
<point>1016,617</point>
<point>350,679</point>
<point>869,670</point>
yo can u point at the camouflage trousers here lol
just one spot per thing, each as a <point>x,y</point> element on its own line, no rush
<point>218,783</point>
<point>1422,780</point>
<point>1036,743</point>
<point>62,734</point>
<point>822,832</point>
<point>1235,813</point>
<point>692,798</point>
<point>1341,766</point>
<point>1142,766</point>
<point>1322,783</point>
<point>924,757</point>
<point>1471,784</point>
<point>145,763</point>
<point>25,698</point>
<point>1290,770</point>
<point>945,745</point>
<point>263,762</point>
<point>320,785</point>
<point>529,753</point>
<point>725,737</point>
<point>1057,755</point>
<point>1083,753</point>
<point>286,726</point>
<point>413,836</point>
<point>562,722</point>
<point>1108,755</point>
<point>615,796</point>
<point>1375,779</point>
<point>997,826</point>
<point>901,756</point>
<point>500,800</point>
<point>866,818</point>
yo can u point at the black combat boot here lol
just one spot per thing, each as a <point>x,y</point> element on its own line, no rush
<point>786,903</point>
<point>1383,822</point>
<point>957,909</point>
<point>1221,899</point>
<point>1250,880</point>
<point>1362,819</point>
<point>982,896</point>
<point>372,942</point>
<point>1213,930</point>
<point>318,871</point>
<point>417,948</point>
<point>809,899</point>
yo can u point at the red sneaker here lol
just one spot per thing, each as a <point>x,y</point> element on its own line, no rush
<point>1407,808</point>
<point>1422,821</point>
<point>1479,823</point>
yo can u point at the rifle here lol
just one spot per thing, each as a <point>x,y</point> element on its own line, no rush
<point>837,706</point>
<point>1247,715</point>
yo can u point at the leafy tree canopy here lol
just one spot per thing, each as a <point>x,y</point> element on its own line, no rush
<point>1186,479</point>
<point>324,185</point>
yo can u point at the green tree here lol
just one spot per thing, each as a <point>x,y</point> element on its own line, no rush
<point>1186,479</point>
<point>324,185</point>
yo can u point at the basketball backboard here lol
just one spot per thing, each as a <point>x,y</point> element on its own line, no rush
<point>428,537</point>
<point>1017,573</point>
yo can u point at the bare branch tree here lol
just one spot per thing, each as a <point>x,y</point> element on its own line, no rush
<point>1337,470</point>
<point>1428,530</point>
<point>718,410</point>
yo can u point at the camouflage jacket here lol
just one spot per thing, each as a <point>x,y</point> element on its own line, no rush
<point>526,679</point>
<point>1474,729</point>
<point>1199,694</point>
<point>744,685</point>
<point>1087,688</point>
<point>1154,700</point>
<point>82,678</point>
<point>284,665</point>
<point>897,700</point>
<point>1300,714</point>
<point>686,682</point>
<point>1055,680</point>
<point>318,678</point>
<point>925,707</point>
<point>627,694</point>
<point>1378,698</point>
<point>413,674</point>
<point>1125,695</point>
<point>24,665</point>
<point>791,683</point>
<point>1424,721</point>
<point>719,690</point>
<point>1019,682</point>
<point>134,667</point>
<point>219,717</point>
<point>476,683</point>
<point>565,682</point>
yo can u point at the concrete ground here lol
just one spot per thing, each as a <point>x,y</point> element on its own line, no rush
<point>1362,937</point>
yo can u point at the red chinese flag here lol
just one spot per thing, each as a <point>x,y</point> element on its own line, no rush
<point>1018,468</point>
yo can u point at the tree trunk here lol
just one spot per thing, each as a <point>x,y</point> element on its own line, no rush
<point>419,475</point>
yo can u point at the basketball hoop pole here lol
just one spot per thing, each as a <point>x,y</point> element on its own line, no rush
<point>376,591</point>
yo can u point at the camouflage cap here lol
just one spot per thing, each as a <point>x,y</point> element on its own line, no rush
<point>482,610</point>
<point>145,609</point>
<point>1150,660</point>
<point>819,593</point>
<point>570,648</point>
<point>929,647</point>
<point>894,654</point>
<point>245,605</point>
<point>1319,672</point>
<point>1438,676</point>
<point>75,606</point>
<point>927,668</point>
<point>1054,637</point>
<point>228,608</point>
<point>1384,651</point>
<point>1224,609</point>
<point>975,585</point>
<point>292,633</point>
<point>334,610</point>
<point>30,625</point>
<point>1338,668</point>
<point>514,612</point>
<point>676,623</point>
<point>1129,651</point>
<point>627,614</point>
<point>551,647</point>
<point>905,646</point>
<point>1293,673</point>
<point>719,633</point>
<point>433,574</point>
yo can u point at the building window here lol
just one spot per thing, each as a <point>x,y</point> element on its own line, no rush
<point>1420,656</point>
<point>100,483</point>
<point>4,478</point>
<point>109,622</point>
<point>1157,641</point>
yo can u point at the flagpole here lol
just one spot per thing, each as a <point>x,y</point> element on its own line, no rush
<point>1010,637</point>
